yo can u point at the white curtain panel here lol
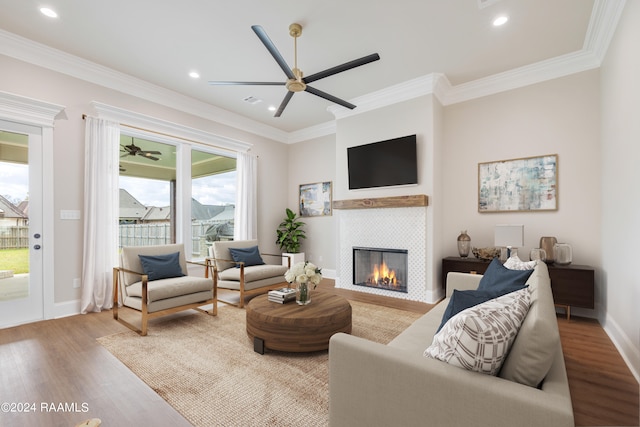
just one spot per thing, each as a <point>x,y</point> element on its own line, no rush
<point>246,222</point>
<point>101,194</point>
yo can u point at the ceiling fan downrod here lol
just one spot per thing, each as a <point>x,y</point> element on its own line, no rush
<point>295,85</point>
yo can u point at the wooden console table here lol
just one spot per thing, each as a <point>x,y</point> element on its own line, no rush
<point>572,285</point>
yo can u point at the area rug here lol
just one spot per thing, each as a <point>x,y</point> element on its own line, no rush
<point>206,369</point>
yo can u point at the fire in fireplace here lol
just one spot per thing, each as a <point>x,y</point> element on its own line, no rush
<point>380,268</point>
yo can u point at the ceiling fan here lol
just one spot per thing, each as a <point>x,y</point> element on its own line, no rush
<point>133,150</point>
<point>295,80</point>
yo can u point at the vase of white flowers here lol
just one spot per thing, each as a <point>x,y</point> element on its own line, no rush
<point>304,275</point>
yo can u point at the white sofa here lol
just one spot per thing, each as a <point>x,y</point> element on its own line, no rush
<point>371,384</point>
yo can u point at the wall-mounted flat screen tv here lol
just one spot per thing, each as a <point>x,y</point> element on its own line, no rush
<point>383,164</point>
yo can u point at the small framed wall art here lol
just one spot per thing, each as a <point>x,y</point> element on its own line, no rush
<point>526,184</point>
<point>315,199</point>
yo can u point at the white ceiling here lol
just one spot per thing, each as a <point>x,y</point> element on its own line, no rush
<point>161,41</point>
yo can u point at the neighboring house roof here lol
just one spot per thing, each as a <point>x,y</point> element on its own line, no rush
<point>130,207</point>
<point>10,210</point>
<point>157,214</point>
<point>226,215</point>
<point>24,207</point>
<point>204,212</point>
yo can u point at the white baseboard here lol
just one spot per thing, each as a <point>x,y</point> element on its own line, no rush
<point>625,346</point>
<point>67,308</point>
<point>329,274</point>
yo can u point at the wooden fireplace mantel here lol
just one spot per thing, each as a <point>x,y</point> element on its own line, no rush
<point>383,202</point>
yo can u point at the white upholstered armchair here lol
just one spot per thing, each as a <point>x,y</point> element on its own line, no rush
<point>238,265</point>
<point>155,281</point>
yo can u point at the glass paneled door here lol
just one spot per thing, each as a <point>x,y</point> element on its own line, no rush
<point>21,240</point>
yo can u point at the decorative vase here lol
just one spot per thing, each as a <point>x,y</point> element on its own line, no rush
<point>303,294</point>
<point>564,253</point>
<point>464,244</point>
<point>538,253</point>
<point>548,243</point>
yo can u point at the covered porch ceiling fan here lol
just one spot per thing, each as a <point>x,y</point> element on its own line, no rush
<point>296,82</point>
<point>133,150</point>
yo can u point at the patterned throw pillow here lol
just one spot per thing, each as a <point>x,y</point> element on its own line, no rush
<point>479,338</point>
<point>515,263</point>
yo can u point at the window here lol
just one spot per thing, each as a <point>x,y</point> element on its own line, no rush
<point>149,179</point>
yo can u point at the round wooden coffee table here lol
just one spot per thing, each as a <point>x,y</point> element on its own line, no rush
<point>297,328</point>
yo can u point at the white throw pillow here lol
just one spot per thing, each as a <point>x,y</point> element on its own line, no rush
<point>515,263</point>
<point>479,338</point>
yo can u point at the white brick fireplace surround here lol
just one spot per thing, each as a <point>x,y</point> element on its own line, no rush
<point>390,223</point>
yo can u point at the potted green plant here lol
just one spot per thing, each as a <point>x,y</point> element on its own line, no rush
<point>290,234</point>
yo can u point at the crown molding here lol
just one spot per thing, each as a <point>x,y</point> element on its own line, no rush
<point>53,59</point>
<point>148,124</point>
<point>27,110</point>
<point>602,25</point>
<point>317,131</point>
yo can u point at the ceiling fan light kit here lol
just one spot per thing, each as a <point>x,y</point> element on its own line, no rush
<point>296,82</point>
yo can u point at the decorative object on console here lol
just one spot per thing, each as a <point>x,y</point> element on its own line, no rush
<point>515,263</point>
<point>509,236</point>
<point>289,237</point>
<point>563,253</point>
<point>464,244</point>
<point>548,245</point>
<point>538,254</point>
<point>315,199</point>
<point>486,253</point>
<point>527,184</point>
<point>304,274</point>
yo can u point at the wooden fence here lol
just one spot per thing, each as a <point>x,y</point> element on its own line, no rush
<point>160,234</point>
<point>14,237</point>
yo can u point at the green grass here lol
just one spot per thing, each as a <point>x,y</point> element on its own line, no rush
<point>15,259</point>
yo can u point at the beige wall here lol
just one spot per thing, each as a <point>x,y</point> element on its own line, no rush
<point>620,178</point>
<point>314,161</point>
<point>34,82</point>
<point>560,117</point>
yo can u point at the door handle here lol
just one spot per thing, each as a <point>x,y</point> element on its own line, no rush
<point>37,247</point>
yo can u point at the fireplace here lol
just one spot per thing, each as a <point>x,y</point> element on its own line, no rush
<point>380,268</point>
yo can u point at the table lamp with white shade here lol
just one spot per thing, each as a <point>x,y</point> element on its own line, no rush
<point>509,236</point>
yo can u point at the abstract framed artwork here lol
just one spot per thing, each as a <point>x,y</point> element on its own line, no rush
<point>315,199</point>
<point>525,184</point>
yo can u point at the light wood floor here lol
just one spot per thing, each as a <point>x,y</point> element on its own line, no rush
<point>59,362</point>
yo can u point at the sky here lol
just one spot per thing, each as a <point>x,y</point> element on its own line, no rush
<point>14,181</point>
<point>211,190</point>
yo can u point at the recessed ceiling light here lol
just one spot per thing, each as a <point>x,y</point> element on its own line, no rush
<point>272,108</point>
<point>500,20</point>
<point>48,12</point>
<point>194,75</point>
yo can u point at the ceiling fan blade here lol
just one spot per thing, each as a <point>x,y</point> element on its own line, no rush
<point>218,83</point>
<point>344,67</point>
<point>147,152</point>
<point>283,104</point>
<point>264,38</point>
<point>328,97</point>
<point>146,156</point>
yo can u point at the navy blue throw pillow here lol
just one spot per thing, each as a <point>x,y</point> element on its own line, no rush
<point>161,266</point>
<point>499,278</point>
<point>496,281</point>
<point>250,256</point>
<point>461,300</point>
